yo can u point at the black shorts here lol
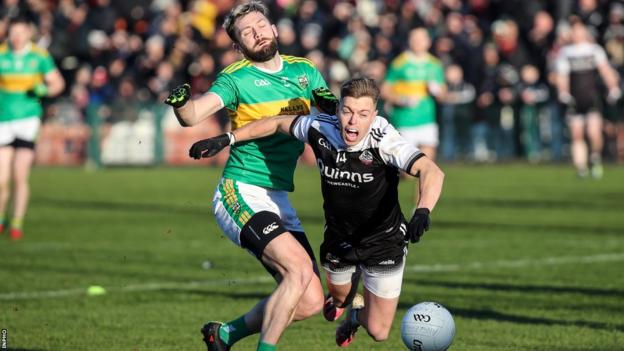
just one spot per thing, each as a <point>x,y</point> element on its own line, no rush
<point>383,246</point>
<point>262,228</point>
<point>584,104</point>
<point>21,144</point>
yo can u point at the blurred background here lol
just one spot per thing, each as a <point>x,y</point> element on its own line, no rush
<point>121,58</point>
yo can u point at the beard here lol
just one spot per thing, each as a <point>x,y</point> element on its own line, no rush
<point>262,55</point>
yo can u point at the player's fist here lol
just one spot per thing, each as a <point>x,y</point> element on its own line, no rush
<point>614,95</point>
<point>566,99</point>
<point>325,100</point>
<point>211,146</point>
<point>38,90</point>
<point>179,95</point>
<point>418,225</point>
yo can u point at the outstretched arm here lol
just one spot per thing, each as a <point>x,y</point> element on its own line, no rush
<point>264,127</point>
<point>254,130</point>
<point>430,187</point>
<point>190,112</point>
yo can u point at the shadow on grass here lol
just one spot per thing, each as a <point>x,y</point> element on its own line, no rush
<point>136,207</point>
<point>226,294</point>
<point>596,292</point>
<point>609,203</point>
<point>19,349</point>
<point>485,314</point>
<point>521,227</point>
<point>100,205</point>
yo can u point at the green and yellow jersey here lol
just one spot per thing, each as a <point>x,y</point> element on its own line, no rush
<point>408,77</point>
<point>249,94</point>
<point>18,74</point>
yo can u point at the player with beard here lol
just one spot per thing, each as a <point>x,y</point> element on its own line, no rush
<point>359,156</point>
<point>251,203</point>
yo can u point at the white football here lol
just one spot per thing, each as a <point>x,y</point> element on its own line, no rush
<point>427,326</point>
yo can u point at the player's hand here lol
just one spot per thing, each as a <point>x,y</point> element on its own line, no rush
<point>566,99</point>
<point>418,225</point>
<point>179,96</point>
<point>325,100</point>
<point>614,95</point>
<point>39,91</point>
<point>408,101</point>
<point>211,146</point>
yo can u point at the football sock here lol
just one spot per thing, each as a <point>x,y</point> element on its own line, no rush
<point>17,222</point>
<point>2,219</point>
<point>263,346</point>
<point>233,331</point>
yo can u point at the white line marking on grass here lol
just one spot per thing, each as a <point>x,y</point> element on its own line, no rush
<point>546,261</point>
<point>453,267</point>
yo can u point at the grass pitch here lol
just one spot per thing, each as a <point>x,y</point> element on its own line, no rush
<point>524,257</point>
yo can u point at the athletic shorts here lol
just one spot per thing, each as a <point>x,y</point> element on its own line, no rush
<point>584,104</point>
<point>234,204</point>
<point>20,131</point>
<point>382,276</point>
<point>382,280</point>
<point>425,135</point>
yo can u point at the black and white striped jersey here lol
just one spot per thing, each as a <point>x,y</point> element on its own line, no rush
<point>359,183</point>
<point>580,61</point>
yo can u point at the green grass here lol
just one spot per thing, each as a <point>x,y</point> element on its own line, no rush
<point>525,257</point>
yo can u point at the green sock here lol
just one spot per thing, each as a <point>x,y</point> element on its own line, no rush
<point>263,346</point>
<point>2,220</point>
<point>17,222</point>
<point>233,331</point>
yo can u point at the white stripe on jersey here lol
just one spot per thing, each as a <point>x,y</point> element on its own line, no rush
<point>393,148</point>
<point>574,58</point>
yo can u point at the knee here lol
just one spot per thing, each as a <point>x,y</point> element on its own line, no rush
<point>299,273</point>
<point>379,332</point>
<point>310,305</point>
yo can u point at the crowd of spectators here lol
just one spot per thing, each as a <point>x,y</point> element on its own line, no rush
<point>498,54</point>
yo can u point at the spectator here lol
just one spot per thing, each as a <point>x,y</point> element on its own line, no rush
<point>456,115</point>
<point>533,95</point>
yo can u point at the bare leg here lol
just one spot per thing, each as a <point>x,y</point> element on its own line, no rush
<point>289,259</point>
<point>6,160</point>
<point>579,147</point>
<point>594,132</point>
<point>21,172</point>
<point>377,315</point>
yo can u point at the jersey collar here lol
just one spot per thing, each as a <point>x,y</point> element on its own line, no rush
<point>27,48</point>
<point>281,66</point>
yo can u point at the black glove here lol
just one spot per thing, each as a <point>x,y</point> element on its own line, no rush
<point>418,225</point>
<point>325,100</point>
<point>179,95</point>
<point>211,146</point>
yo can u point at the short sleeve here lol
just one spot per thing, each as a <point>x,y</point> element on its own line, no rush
<point>47,64</point>
<point>599,55</point>
<point>301,125</point>
<point>396,151</point>
<point>226,89</point>
<point>393,73</point>
<point>317,80</point>
<point>562,66</point>
<point>438,73</point>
